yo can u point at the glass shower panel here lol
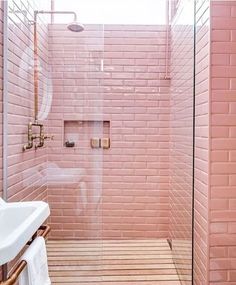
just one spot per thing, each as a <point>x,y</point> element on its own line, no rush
<point>75,157</point>
<point>181,139</point>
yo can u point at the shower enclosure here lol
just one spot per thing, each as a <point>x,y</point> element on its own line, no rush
<point>118,100</point>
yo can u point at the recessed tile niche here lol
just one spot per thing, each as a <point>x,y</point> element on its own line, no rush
<point>81,132</point>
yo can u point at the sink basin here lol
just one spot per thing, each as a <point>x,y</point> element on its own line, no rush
<point>18,222</point>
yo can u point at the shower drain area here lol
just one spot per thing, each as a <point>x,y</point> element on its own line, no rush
<point>83,133</point>
<point>109,262</point>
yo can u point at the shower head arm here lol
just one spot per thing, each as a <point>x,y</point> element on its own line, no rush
<point>36,62</point>
<point>54,12</point>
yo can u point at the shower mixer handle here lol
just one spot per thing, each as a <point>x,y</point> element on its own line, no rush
<point>41,137</point>
<point>47,137</point>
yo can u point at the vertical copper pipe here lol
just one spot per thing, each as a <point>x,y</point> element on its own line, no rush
<point>36,69</point>
<point>36,56</point>
<point>167,75</point>
<point>52,8</point>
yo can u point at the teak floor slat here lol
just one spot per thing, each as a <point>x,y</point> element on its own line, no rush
<point>105,247</point>
<point>111,262</point>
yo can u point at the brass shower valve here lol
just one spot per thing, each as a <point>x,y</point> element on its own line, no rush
<point>100,143</point>
<point>32,137</point>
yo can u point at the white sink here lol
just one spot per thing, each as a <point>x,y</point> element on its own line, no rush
<point>18,222</point>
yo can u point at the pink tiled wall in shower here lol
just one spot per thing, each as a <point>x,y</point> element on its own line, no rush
<point>1,88</point>
<point>181,139</point>
<point>223,144</point>
<point>121,192</point>
<point>26,175</point>
<point>1,94</point>
<point>25,180</point>
<point>201,190</point>
<point>214,234</point>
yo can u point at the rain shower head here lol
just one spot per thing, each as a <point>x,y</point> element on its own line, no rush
<point>75,27</point>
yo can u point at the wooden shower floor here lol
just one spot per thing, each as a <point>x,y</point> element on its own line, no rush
<point>111,262</point>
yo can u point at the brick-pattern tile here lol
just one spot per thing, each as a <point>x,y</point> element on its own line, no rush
<point>26,180</point>
<point>201,246</point>
<point>121,192</point>
<point>223,142</point>
<point>26,170</point>
<point>1,88</point>
<point>124,192</point>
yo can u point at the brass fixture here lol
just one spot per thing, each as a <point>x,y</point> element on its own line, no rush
<point>12,279</point>
<point>95,143</point>
<point>100,143</point>
<point>74,27</point>
<point>32,137</point>
<point>105,143</point>
<point>42,137</point>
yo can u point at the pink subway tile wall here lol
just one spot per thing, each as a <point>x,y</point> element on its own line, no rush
<point>201,190</point>
<point>1,87</point>
<point>223,144</point>
<point>75,198</point>
<point>181,140</point>
<point>114,87</point>
<point>23,180</point>
<point>121,192</point>
<point>139,114</point>
<point>26,175</point>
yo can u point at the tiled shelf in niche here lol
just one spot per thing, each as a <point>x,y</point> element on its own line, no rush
<point>78,133</point>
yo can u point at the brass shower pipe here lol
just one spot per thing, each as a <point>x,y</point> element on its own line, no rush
<point>31,137</point>
<point>74,27</point>
<point>167,72</point>
<point>36,56</point>
<point>36,69</point>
